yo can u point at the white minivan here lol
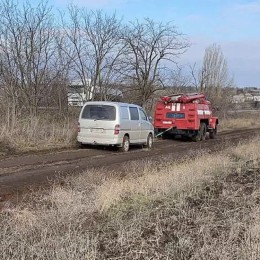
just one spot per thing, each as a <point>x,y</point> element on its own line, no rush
<point>114,123</point>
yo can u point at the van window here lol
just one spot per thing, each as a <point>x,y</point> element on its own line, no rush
<point>99,112</point>
<point>134,113</point>
<point>124,113</point>
<point>143,115</point>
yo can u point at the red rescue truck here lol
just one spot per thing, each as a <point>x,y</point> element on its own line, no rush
<point>187,115</point>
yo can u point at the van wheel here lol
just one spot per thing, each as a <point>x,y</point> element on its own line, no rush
<point>125,144</point>
<point>81,145</point>
<point>149,142</point>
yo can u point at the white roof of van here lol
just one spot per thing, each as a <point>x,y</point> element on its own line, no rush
<point>110,103</point>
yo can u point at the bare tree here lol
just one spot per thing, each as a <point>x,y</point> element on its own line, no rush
<point>151,48</point>
<point>28,52</point>
<point>95,47</point>
<point>213,78</point>
<point>214,74</point>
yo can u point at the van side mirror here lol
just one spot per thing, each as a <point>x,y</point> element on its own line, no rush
<point>150,118</point>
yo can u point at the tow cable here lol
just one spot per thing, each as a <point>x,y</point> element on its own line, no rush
<point>161,133</point>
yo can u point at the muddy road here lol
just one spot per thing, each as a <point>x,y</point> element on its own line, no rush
<point>19,174</point>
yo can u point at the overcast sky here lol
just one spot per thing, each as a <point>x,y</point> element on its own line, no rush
<point>235,25</point>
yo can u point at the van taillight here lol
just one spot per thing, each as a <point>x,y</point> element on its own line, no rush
<point>117,129</point>
<point>78,127</point>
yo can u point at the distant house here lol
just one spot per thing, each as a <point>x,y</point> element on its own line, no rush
<point>240,98</point>
<point>256,98</point>
<point>79,92</point>
<point>249,97</point>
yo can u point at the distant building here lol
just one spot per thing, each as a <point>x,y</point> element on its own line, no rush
<point>240,98</point>
<point>249,97</point>
<point>256,98</point>
<point>79,92</point>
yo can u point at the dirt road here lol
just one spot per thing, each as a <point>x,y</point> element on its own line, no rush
<point>20,173</point>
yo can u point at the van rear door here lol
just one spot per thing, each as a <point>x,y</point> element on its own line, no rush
<point>97,122</point>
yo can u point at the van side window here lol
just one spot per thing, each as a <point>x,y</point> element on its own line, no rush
<point>124,113</point>
<point>134,113</point>
<point>143,115</point>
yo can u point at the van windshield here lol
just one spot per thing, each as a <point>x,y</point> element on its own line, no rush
<point>99,112</point>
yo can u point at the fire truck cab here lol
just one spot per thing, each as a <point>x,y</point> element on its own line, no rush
<point>187,115</point>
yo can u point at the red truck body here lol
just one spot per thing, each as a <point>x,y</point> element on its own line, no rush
<point>187,115</point>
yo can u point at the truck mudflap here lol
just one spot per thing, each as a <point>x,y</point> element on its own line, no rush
<point>213,122</point>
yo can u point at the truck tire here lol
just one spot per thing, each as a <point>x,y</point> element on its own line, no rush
<point>203,129</point>
<point>200,134</point>
<point>125,144</point>
<point>196,137</point>
<point>213,133</point>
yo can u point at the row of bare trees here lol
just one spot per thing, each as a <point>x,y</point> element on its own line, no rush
<point>40,53</point>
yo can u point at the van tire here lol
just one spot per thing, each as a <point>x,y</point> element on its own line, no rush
<point>125,144</point>
<point>81,145</point>
<point>149,142</point>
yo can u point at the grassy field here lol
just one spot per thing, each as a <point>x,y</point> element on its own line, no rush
<point>204,207</point>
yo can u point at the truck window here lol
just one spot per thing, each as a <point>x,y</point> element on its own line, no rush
<point>99,112</point>
<point>134,113</point>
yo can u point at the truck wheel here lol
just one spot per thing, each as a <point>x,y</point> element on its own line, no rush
<point>203,130</point>
<point>149,142</point>
<point>201,134</point>
<point>213,133</point>
<point>196,137</point>
<point>125,144</point>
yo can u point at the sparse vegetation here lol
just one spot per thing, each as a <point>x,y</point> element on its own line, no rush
<point>204,207</point>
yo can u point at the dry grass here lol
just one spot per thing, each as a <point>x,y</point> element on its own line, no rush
<point>240,121</point>
<point>206,207</point>
<point>173,178</point>
<point>37,133</point>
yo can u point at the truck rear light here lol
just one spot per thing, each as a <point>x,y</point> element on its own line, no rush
<point>167,122</point>
<point>78,127</point>
<point>117,129</point>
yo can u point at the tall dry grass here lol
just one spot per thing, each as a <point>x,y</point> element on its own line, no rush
<point>240,121</point>
<point>30,133</point>
<point>205,207</point>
